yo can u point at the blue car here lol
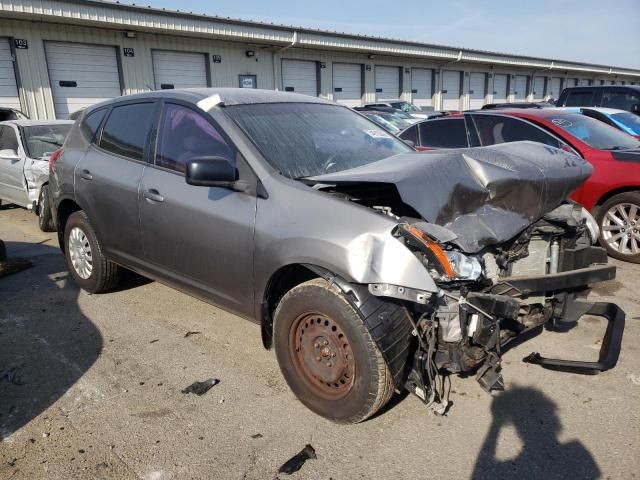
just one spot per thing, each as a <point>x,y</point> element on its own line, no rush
<point>620,119</point>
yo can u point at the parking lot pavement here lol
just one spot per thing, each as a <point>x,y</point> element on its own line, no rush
<point>91,388</point>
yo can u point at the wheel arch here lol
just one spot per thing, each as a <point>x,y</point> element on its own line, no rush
<point>612,193</point>
<point>65,208</point>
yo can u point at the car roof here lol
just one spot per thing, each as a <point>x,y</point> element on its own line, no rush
<point>606,111</point>
<point>633,87</point>
<point>32,123</point>
<point>220,96</point>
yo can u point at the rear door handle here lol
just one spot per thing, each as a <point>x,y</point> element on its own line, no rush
<point>86,174</point>
<point>153,195</point>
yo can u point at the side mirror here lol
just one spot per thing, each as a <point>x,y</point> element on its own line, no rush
<point>211,172</point>
<point>9,153</point>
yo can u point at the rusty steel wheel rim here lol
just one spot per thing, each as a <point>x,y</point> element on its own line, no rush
<point>322,355</point>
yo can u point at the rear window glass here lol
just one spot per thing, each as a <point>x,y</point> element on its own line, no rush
<point>42,140</point>
<point>449,133</point>
<point>91,123</point>
<point>620,100</point>
<point>579,99</point>
<point>127,130</point>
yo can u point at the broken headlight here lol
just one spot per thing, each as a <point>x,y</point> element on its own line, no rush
<point>464,266</point>
<point>442,265</point>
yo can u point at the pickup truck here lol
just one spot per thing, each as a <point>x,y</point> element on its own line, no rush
<point>25,148</point>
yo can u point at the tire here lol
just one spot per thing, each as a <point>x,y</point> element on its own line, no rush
<point>327,355</point>
<point>619,221</point>
<point>45,219</point>
<point>103,274</point>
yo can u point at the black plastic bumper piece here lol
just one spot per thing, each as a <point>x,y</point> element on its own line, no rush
<point>609,351</point>
<point>563,280</point>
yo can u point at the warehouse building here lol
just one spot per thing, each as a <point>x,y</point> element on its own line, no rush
<point>57,57</point>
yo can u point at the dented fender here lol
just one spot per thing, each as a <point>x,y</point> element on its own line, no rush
<point>36,174</point>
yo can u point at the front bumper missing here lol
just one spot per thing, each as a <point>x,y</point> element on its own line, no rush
<point>609,351</point>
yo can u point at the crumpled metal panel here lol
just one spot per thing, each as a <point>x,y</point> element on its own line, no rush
<point>484,195</point>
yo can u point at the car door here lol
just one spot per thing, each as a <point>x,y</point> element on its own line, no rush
<point>107,178</point>
<point>12,158</point>
<point>199,238</point>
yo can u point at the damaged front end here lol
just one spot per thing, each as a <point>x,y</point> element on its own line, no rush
<point>507,253</point>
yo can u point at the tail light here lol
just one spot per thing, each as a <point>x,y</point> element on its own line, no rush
<point>53,158</point>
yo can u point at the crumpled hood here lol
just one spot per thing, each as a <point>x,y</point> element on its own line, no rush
<point>484,195</point>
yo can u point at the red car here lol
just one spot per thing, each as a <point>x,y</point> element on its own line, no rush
<point>612,193</point>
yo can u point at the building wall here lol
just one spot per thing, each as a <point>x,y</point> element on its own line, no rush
<point>137,72</point>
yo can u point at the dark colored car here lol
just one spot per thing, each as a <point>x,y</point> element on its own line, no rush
<point>613,191</point>
<point>371,268</point>
<point>500,106</point>
<point>622,97</point>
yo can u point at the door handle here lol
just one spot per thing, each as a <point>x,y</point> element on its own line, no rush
<point>153,195</point>
<point>86,174</point>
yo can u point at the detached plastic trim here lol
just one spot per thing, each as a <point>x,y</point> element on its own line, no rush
<point>609,351</point>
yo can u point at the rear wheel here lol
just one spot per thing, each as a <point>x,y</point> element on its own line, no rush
<point>619,220</point>
<point>327,355</point>
<point>88,266</point>
<point>45,219</point>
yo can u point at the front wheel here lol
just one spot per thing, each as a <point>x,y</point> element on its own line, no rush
<point>45,219</point>
<point>619,220</point>
<point>327,355</point>
<point>88,266</point>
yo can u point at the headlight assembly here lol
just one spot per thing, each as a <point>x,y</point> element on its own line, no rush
<point>442,265</point>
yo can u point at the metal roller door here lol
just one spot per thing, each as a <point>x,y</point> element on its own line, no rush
<point>81,75</point>
<point>451,90</point>
<point>179,69</point>
<point>584,82</point>
<point>387,83</point>
<point>520,88</point>
<point>538,89</point>
<point>347,84</point>
<point>476,89</point>
<point>556,84</point>
<point>421,87</point>
<point>500,88</point>
<point>300,76</point>
<point>8,88</point>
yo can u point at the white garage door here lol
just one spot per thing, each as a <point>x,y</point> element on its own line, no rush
<point>554,91</point>
<point>347,84</point>
<point>300,76</point>
<point>450,90</point>
<point>520,88</point>
<point>387,83</point>
<point>179,69</point>
<point>538,89</point>
<point>584,82</point>
<point>8,88</point>
<point>476,89</point>
<point>500,91</point>
<point>421,87</point>
<point>81,75</point>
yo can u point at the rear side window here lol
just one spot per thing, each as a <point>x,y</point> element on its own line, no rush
<point>91,123</point>
<point>580,98</point>
<point>127,130</point>
<point>495,129</point>
<point>410,134</point>
<point>449,133</point>
<point>8,139</point>
<point>184,135</point>
<point>620,100</point>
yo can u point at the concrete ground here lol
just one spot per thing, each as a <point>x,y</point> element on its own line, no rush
<point>91,388</point>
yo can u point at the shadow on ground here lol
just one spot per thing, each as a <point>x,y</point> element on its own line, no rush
<point>46,343</point>
<point>537,424</point>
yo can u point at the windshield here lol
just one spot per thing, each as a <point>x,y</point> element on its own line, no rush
<point>43,140</point>
<point>305,139</point>
<point>630,121</point>
<point>593,132</point>
<point>405,106</point>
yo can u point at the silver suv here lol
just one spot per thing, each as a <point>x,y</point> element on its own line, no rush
<point>371,268</point>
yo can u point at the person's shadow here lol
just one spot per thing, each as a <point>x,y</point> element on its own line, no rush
<point>46,343</point>
<point>537,424</point>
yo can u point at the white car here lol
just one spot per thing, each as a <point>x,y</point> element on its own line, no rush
<point>25,148</point>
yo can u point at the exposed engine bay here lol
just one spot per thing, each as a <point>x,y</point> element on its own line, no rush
<point>528,261</point>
